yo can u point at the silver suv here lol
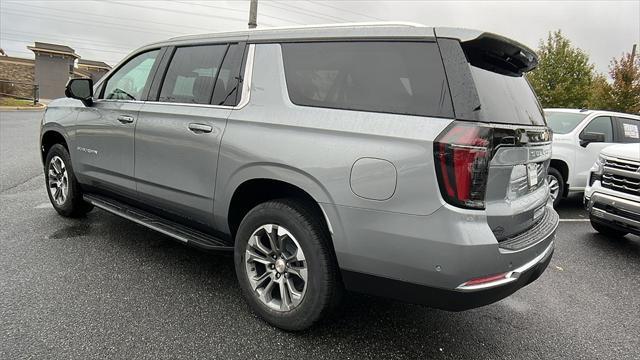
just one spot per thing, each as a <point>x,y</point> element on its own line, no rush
<point>391,159</point>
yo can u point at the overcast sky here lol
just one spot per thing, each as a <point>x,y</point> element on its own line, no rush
<point>107,30</point>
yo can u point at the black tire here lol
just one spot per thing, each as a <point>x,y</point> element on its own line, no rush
<point>73,205</point>
<point>324,288</point>
<point>608,231</point>
<point>561,185</point>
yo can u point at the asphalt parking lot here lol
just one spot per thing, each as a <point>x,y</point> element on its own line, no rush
<point>103,287</point>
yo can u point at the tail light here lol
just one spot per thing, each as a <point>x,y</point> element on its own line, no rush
<point>462,154</point>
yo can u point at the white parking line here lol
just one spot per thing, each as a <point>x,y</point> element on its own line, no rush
<point>44,205</point>
<point>574,220</point>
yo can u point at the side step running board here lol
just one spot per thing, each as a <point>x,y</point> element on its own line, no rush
<point>167,227</point>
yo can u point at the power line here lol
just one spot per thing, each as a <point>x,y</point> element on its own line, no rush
<point>79,48</point>
<point>242,11</point>
<point>112,26</point>
<point>345,10</point>
<point>60,39</point>
<point>304,12</point>
<point>121,18</point>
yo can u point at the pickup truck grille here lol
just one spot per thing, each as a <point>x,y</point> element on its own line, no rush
<point>622,176</point>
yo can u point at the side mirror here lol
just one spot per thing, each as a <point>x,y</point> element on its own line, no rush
<point>590,137</point>
<point>81,89</point>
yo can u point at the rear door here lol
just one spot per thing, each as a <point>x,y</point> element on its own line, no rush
<point>105,131</point>
<point>179,131</point>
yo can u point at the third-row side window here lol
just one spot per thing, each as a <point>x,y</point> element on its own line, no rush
<point>393,77</point>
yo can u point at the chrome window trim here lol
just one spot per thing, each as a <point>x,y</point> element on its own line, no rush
<point>245,94</point>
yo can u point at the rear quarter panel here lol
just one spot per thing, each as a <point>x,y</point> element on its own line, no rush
<point>315,148</point>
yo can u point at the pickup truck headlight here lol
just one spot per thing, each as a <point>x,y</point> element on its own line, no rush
<point>596,170</point>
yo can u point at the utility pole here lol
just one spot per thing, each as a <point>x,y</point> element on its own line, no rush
<point>253,14</point>
<point>633,53</point>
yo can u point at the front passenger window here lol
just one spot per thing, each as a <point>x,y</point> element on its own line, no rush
<point>130,81</point>
<point>601,124</point>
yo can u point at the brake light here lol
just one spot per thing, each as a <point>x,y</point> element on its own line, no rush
<point>462,154</point>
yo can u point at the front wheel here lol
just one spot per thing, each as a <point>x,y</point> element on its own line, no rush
<point>285,265</point>
<point>62,187</point>
<point>556,186</point>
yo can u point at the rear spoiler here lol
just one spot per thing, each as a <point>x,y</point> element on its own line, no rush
<point>492,52</point>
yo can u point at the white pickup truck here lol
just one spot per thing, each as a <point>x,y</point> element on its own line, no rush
<point>578,138</point>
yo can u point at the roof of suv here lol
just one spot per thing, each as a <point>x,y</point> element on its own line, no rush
<point>590,112</point>
<point>330,31</point>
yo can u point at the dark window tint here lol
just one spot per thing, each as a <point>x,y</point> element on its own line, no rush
<point>393,77</point>
<point>130,80</point>
<point>227,85</point>
<point>563,122</point>
<point>601,124</point>
<point>191,74</point>
<point>506,99</point>
<point>629,130</point>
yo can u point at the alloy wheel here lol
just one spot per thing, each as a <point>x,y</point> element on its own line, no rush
<point>276,267</point>
<point>58,180</point>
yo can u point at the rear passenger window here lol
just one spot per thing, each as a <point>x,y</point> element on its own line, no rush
<point>226,90</point>
<point>601,124</point>
<point>191,74</point>
<point>629,130</point>
<point>392,77</point>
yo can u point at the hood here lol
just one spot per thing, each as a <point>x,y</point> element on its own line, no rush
<point>623,151</point>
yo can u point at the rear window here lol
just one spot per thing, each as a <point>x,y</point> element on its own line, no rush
<point>506,99</point>
<point>390,77</point>
<point>563,122</point>
<point>487,82</point>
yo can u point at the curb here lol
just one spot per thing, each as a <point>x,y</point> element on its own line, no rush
<point>16,108</point>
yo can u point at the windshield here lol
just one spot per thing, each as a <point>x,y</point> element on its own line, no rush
<point>563,122</point>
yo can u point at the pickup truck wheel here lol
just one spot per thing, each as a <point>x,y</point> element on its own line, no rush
<point>556,186</point>
<point>62,187</point>
<point>285,266</point>
<point>607,231</point>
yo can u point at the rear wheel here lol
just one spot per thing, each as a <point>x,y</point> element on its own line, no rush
<point>62,187</point>
<point>607,231</point>
<point>285,265</point>
<point>556,185</point>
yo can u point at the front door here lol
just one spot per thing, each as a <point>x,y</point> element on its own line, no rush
<point>178,136</point>
<point>587,156</point>
<point>105,131</point>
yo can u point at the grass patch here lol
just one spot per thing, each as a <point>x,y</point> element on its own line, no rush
<point>7,101</point>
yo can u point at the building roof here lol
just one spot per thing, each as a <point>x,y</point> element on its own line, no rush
<point>13,59</point>
<point>94,64</point>
<point>43,47</point>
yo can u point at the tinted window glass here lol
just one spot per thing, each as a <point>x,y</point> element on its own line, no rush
<point>129,82</point>
<point>506,99</point>
<point>601,124</point>
<point>629,130</point>
<point>393,77</point>
<point>191,74</point>
<point>563,122</point>
<point>226,90</point>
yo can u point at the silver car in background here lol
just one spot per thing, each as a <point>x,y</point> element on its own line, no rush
<point>392,159</point>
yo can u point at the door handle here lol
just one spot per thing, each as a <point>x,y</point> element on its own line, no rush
<point>200,128</point>
<point>125,119</point>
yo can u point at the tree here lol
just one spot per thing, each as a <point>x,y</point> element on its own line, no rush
<point>601,97</point>
<point>564,75</point>
<point>625,91</point>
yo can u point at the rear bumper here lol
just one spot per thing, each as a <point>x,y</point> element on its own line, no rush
<point>451,300</point>
<point>429,259</point>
